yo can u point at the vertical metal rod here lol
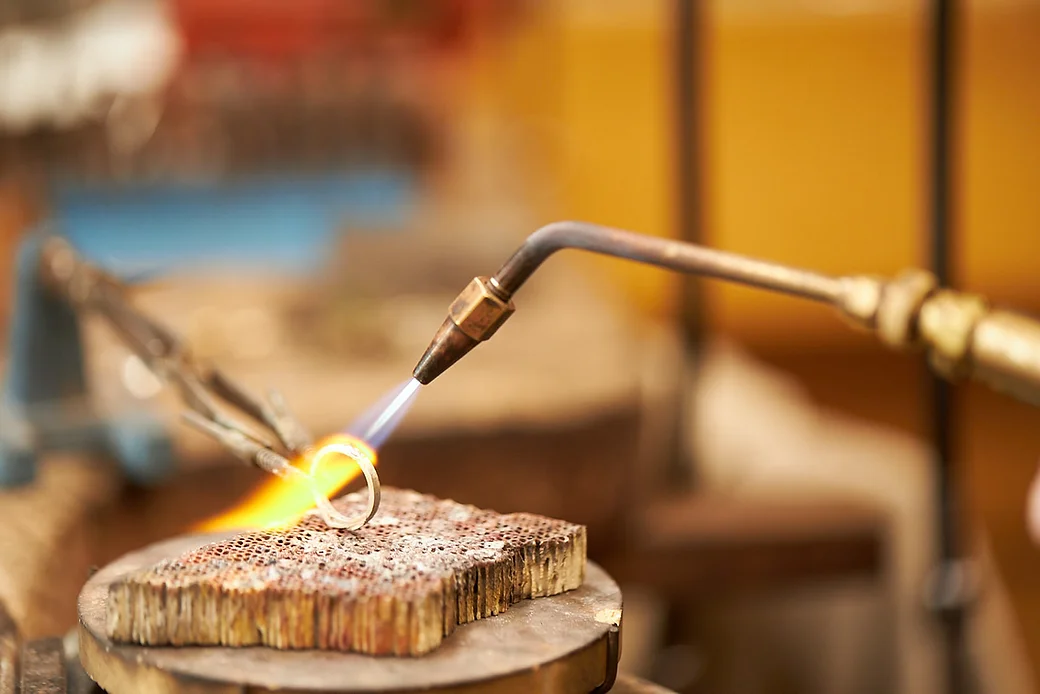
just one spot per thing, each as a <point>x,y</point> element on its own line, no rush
<point>687,201</point>
<point>942,412</point>
<point>683,623</point>
<point>941,232</point>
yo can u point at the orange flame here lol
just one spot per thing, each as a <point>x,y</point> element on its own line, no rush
<point>277,503</point>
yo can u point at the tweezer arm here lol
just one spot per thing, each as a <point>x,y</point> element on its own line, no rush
<point>90,289</point>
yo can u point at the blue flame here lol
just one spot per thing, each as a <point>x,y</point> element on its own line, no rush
<point>378,422</point>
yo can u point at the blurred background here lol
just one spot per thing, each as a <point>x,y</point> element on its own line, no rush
<point>308,184</point>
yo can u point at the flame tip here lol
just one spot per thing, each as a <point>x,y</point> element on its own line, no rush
<point>277,504</point>
<point>281,503</point>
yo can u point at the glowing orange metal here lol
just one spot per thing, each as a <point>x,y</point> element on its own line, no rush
<point>279,503</point>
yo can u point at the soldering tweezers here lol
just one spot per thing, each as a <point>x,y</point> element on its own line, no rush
<point>90,289</point>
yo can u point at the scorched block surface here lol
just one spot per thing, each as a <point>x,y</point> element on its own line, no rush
<point>398,586</point>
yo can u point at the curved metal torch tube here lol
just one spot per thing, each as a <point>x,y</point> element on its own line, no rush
<point>963,336</point>
<point>666,253</point>
<point>486,302</point>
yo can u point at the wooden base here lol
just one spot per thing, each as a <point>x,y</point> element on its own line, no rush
<point>565,643</point>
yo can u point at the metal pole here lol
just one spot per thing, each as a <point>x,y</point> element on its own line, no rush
<point>950,608</point>
<point>688,198</point>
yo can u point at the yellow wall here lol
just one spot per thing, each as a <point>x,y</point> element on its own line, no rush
<point>615,112</point>
<point>1001,185</point>
<point>813,153</point>
<point>815,130</point>
<point>589,80</point>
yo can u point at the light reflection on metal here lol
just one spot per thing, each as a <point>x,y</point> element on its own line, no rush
<point>138,380</point>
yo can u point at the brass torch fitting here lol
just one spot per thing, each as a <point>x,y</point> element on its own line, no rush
<point>962,336</point>
<point>947,325</point>
<point>902,301</point>
<point>911,312</point>
<point>889,308</point>
<point>479,310</point>
<point>1005,354</point>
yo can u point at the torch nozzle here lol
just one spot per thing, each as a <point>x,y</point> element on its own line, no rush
<point>448,346</point>
<point>477,312</point>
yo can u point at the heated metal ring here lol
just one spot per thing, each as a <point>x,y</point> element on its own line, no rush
<point>362,457</point>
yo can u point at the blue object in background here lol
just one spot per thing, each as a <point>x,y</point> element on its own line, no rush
<point>45,364</point>
<point>283,224</point>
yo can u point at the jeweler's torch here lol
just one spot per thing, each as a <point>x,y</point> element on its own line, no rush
<point>962,335</point>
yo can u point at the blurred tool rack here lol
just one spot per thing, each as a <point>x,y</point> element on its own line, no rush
<point>279,127</point>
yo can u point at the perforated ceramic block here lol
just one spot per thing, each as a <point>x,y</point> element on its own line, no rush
<point>398,586</point>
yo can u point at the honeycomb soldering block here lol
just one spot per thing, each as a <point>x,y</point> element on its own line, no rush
<point>398,586</point>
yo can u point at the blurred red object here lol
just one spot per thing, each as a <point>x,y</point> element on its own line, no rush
<point>279,30</point>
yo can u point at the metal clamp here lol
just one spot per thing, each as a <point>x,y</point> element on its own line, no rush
<point>613,657</point>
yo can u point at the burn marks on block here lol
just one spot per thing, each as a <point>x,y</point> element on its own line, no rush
<point>398,586</point>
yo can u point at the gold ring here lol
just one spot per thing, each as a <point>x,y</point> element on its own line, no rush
<point>362,457</point>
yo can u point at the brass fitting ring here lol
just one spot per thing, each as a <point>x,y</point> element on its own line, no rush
<point>478,310</point>
<point>947,324</point>
<point>900,306</point>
